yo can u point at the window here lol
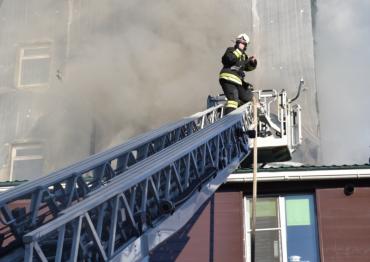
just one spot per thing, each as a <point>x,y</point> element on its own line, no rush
<point>301,227</point>
<point>34,66</point>
<point>285,229</point>
<point>269,242</point>
<point>26,161</point>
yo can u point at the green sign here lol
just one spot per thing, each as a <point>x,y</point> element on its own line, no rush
<point>297,212</point>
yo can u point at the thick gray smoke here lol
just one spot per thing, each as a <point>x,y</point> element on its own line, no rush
<point>143,64</point>
<point>130,66</point>
<point>342,68</point>
<point>118,68</point>
<point>149,62</point>
<point>135,65</point>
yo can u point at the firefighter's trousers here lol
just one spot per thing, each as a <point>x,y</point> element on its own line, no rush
<point>236,95</point>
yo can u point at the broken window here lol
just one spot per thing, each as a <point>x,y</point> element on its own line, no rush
<point>34,66</point>
<point>26,161</point>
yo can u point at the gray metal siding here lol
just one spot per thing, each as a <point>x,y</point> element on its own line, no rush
<point>44,115</point>
<point>283,43</point>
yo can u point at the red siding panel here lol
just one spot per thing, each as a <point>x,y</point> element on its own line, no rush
<point>228,227</point>
<point>215,233</point>
<point>198,246</point>
<point>344,224</point>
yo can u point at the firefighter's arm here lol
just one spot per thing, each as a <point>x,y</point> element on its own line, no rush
<point>231,56</point>
<point>251,64</point>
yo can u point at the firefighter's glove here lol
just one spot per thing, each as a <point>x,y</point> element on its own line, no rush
<point>252,61</point>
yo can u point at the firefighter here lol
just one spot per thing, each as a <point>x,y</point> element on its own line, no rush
<point>235,61</point>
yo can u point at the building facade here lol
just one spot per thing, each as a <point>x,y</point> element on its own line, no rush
<point>43,125</point>
<point>303,214</point>
<point>64,62</point>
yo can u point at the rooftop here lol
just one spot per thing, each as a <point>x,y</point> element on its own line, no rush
<point>274,173</point>
<point>289,173</point>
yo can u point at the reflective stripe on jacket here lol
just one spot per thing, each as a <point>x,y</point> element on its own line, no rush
<point>235,62</point>
<point>232,104</point>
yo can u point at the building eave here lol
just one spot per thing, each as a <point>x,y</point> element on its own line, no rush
<point>240,177</point>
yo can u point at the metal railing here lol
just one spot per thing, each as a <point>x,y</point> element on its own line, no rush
<point>35,203</point>
<point>123,217</point>
<point>280,118</point>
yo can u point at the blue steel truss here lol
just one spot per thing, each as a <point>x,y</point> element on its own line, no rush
<point>140,208</point>
<point>37,202</point>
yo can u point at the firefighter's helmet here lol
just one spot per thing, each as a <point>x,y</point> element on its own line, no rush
<point>242,38</point>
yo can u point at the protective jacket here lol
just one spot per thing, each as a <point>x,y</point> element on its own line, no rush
<point>235,62</point>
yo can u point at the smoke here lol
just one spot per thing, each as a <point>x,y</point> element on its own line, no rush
<point>130,66</point>
<point>142,63</point>
<point>342,69</point>
<point>121,68</point>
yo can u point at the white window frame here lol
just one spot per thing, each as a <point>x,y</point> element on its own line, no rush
<point>23,57</point>
<point>282,229</point>
<point>14,157</point>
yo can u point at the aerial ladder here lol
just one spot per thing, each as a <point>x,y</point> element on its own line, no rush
<point>120,204</point>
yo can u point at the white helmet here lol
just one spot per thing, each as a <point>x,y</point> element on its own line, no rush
<point>242,38</point>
